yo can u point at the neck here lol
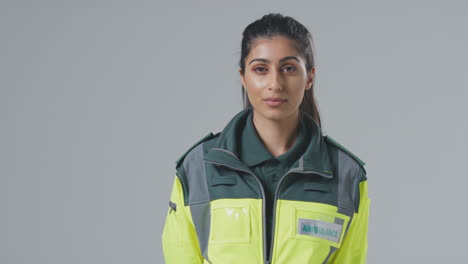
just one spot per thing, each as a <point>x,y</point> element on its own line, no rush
<point>278,136</point>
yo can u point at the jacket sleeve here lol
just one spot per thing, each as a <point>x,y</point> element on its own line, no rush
<point>354,246</point>
<point>179,239</point>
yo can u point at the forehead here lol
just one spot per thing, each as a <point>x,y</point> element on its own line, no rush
<point>273,48</point>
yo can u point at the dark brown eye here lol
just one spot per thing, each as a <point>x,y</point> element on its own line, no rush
<point>259,69</point>
<point>290,68</point>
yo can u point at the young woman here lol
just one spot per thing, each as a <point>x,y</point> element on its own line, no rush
<point>270,187</point>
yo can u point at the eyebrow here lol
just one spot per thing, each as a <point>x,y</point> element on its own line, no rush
<point>281,60</point>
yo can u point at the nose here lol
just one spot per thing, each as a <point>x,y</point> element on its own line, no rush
<point>275,81</point>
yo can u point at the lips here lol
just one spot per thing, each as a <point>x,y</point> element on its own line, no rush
<point>275,101</point>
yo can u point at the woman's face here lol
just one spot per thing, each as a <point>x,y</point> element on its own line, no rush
<point>275,78</point>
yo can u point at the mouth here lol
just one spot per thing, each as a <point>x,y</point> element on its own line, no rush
<point>275,101</point>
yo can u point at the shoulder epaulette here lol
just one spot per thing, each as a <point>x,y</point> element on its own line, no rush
<point>205,138</point>
<point>335,143</point>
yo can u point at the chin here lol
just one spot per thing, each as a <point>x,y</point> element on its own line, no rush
<point>274,114</point>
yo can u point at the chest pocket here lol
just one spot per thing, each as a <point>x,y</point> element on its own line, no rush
<point>230,223</point>
<point>311,228</point>
<point>230,218</point>
<point>318,222</point>
<point>315,186</point>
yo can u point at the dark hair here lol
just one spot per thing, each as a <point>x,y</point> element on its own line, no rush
<point>272,25</point>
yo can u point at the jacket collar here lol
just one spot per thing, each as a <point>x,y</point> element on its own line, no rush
<point>225,151</point>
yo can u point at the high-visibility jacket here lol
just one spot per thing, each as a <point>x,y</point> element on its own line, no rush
<point>216,209</point>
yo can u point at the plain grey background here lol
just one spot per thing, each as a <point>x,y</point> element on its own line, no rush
<point>98,99</point>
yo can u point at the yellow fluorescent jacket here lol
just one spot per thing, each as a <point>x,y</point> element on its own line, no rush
<point>216,209</point>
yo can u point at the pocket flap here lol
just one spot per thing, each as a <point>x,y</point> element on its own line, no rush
<point>224,180</point>
<point>314,186</point>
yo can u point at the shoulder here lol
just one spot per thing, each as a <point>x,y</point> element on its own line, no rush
<point>209,137</point>
<point>332,142</point>
<point>194,159</point>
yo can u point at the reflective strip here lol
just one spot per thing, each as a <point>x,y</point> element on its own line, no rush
<point>347,170</point>
<point>349,224</point>
<point>201,217</point>
<point>339,221</point>
<point>194,167</point>
<point>332,249</point>
<point>199,199</point>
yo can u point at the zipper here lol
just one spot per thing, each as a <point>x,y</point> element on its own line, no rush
<point>274,204</point>
<point>263,200</point>
<point>265,259</point>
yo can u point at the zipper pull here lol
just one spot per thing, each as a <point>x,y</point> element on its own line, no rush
<point>173,206</point>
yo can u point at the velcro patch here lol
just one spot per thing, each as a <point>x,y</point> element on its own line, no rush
<point>318,228</point>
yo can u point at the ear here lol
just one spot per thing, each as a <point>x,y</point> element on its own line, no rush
<point>241,77</point>
<point>310,78</point>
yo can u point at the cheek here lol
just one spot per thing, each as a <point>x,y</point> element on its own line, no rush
<point>296,97</point>
<point>255,83</point>
<point>299,89</point>
<point>296,81</point>
<point>254,88</point>
<point>254,94</point>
